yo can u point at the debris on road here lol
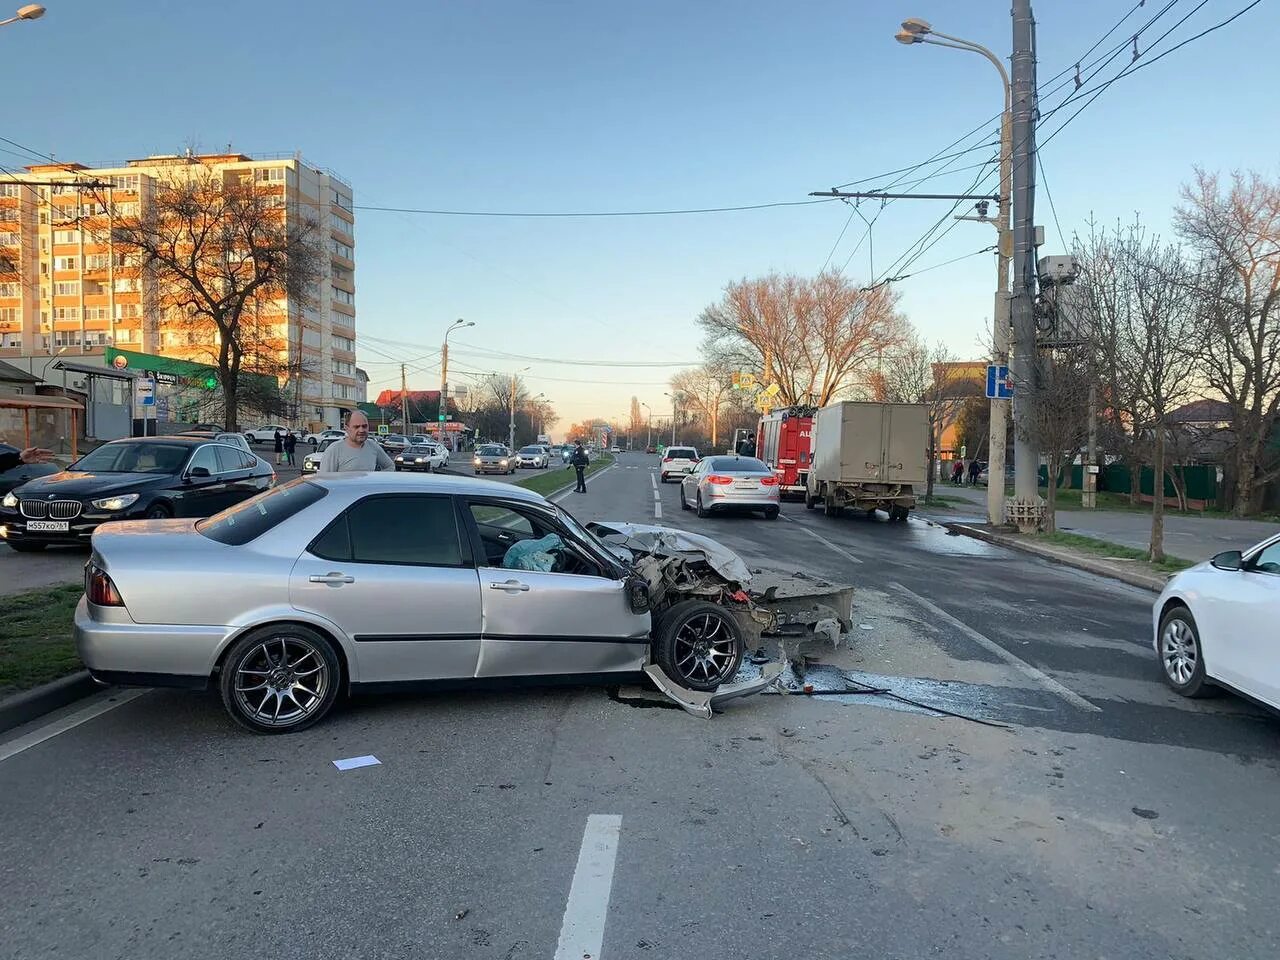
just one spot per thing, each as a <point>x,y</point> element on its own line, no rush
<point>354,763</point>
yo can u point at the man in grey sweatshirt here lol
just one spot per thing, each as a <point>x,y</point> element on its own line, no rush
<point>358,452</point>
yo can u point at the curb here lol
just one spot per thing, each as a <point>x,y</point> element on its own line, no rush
<point>26,706</point>
<point>1088,564</point>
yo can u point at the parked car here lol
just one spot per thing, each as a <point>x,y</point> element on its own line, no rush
<point>493,458</point>
<point>722,484</point>
<point>266,433</point>
<point>293,609</point>
<point>315,439</point>
<point>311,462</point>
<point>616,449</point>
<point>677,460</point>
<point>17,476</point>
<point>651,449</point>
<point>393,442</point>
<point>212,436</point>
<point>534,456</point>
<point>1214,625</point>
<point>144,477</point>
<point>420,456</point>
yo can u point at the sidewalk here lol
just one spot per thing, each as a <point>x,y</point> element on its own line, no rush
<point>1186,536</point>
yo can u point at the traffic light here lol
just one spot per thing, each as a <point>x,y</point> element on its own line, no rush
<point>211,383</point>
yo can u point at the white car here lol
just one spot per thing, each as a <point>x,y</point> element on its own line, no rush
<point>311,462</point>
<point>534,456</point>
<point>266,433</point>
<point>315,439</point>
<point>678,461</point>
<point>421,456</point>
<point>1215,625</point>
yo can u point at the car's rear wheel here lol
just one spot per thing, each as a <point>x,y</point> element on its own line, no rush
<point>26,547</point>
<point>771,513</point>
<point>1181,659</point>
<point>684,504</point>
<point>699,644</point>
<point>700,509</point>
<point>280,679</point>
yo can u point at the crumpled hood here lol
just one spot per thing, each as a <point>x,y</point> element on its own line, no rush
<point>649,538</point>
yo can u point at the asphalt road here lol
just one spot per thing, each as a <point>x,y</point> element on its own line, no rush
<point>1105,817</point>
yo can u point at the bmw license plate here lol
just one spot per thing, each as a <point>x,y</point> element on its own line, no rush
<point>48,526</point>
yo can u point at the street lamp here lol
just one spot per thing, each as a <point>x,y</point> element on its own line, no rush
<point>648,438</point>
<point>915,30</point>
<point>32,11</point>
<point>444,372</point>
<point>511,424</point>
<point>675,400</point>
<point>53,357</point>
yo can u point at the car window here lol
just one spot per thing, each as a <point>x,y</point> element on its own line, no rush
<point>682,453</point>
<point>206,457</point>
<point>1268,561</point>
<point>515,540</point>
<point>400,529</point>
<point>249,520</point>
<point>133,457</point>
<point>502,518</point>
<point>230,459</point>
<point>739,464</point>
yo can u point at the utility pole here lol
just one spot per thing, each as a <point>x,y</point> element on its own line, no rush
<point>1089,498</point>
<point>511,424</point>
<point>1026,508</point>
<point>404,401</point>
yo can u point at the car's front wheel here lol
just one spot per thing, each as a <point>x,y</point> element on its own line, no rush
<point>280,679</point>
<point>699,644</point>
<point>1181,659</point>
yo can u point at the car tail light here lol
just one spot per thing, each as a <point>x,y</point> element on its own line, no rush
<point>719,479</point>
<point>100,590</point>
<point>769,481</point>
<point>666,459</point>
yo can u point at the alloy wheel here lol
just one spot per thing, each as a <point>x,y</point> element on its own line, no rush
<point>282,681</point>
<point>704,649</point>
<point>1178,651</point>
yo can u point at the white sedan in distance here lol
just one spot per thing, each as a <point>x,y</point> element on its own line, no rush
<point>1215,625</point>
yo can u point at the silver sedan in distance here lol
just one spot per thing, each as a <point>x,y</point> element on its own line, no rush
<point>493,458</point>
<point>366,582</point>
<point>723,484</point>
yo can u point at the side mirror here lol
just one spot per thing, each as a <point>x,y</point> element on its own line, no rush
<point>1227,560</point>
<point>199,473</point>
<point>638,594</point>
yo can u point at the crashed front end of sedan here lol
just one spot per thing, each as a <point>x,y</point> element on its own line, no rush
<point>777,613</point>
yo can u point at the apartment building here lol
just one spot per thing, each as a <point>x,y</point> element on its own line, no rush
<point>64,288</point>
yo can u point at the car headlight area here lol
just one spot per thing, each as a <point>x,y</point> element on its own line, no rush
<point>120,501</point>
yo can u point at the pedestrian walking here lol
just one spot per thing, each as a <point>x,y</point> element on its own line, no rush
<point>975,468</point>
<point>957,473</point>
<point>358,452</point>
<point>579,462</point>
<point>290,444</point>
<point>279,446</point>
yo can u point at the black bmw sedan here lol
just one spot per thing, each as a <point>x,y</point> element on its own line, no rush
<point>141,478</point>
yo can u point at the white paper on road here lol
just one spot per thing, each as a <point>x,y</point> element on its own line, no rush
<point>354,762</point>
<point>582,932</point>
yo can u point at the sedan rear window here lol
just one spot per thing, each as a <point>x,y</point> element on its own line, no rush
<point>682,453</point>
<point>249,520</point>
<point>738,465</point>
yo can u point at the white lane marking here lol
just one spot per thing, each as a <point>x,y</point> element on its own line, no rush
<point>657,510</point>
<point>1026,669</point>
<point>63,724</point>
<point>557,497</point>
<point>657,495</point>
<point>653,478</point>
<point>838,549</point>
<point>582,931</point>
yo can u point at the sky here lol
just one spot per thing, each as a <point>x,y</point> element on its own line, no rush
<point>559,106</point>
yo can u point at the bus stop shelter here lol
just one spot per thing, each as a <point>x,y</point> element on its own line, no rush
<point>28,403</point>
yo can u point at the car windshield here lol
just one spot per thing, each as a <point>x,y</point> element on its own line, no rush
<point>134,457</point>
<point>326,444</point>
<point>249,520</point>
<point>682,453</point>
<point>490,450</point>
<point>738,465</point>
<point>421,450</point>
<point>531,450</point>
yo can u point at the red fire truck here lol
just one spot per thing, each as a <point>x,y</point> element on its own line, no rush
<point>782,441</point>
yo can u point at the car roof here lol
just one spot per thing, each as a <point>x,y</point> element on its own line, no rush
<point>388,481</point>
<point>173,439</point>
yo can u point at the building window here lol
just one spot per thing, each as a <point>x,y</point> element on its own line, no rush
<point>66,236</point>
<point>66,263</point>
<point>342,296</point>
<point>8,213</point>
<point>273,201</point>
<point>343,367</point>
<point>342,200</point>
<point>97,261</point>
<point>342,343</point>
<point>342,319</point>
<point>129,209</point>
<point>10,189</point>
<point>125,183</point>
<point>9,239</point>
<point>66,338</point>
<point>311,338</point>
<point>9,290</point>
<point>10,314</point>
<point>343,275</point>
<point>269,175</point>
<point>341,249</point>
<point>97,313</point>
<point>12,340</point>
<point>67,288</point>
<point>344,391</point>
<point>127,284</point>
<point>125,310</point>
<point>338,223</point>
<point>128,336</point>
<point>66,313</point>
<point>97,338</point>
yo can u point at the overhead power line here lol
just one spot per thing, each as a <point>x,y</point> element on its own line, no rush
<point>561,214</point>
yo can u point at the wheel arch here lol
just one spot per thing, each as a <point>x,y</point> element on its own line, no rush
<point>339,647</point>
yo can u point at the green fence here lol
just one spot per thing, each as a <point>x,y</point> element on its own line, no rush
<point>1201,480</point>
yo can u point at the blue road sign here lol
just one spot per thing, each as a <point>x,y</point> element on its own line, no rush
<point>999,386</point>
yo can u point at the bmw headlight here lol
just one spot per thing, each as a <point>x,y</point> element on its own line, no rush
<point>117,502</point>
<point>10,500</point>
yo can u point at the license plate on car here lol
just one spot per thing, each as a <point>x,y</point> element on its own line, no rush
<point>745,485</point>
<point>48,526</point>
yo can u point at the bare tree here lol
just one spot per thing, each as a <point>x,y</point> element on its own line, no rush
<point>1061,423</point>
<point>1148,339</point>
<point>813,337</point>
<point>1236,231</point>
<point>223,263</point>
<point>705,390</point>
<point>929,375</point>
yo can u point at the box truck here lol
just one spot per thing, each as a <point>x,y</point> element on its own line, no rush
<point>866,456</point>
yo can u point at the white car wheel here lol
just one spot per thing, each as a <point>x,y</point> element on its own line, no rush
<point>1181,659</point>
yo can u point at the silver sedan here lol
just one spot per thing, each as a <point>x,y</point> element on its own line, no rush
<point>368,582</point>
<point>722,484</point>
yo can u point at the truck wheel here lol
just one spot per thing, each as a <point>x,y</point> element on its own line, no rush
<point>899,514</point>
<point>698,644</point>
<point>809,500</point>
<point>830,507</point>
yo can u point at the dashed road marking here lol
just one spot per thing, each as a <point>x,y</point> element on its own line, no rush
<point>63,724</point>
<point>582,930</point>
<point>1026,669</point>
<point>836,547</point>
<point>653,479</point>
